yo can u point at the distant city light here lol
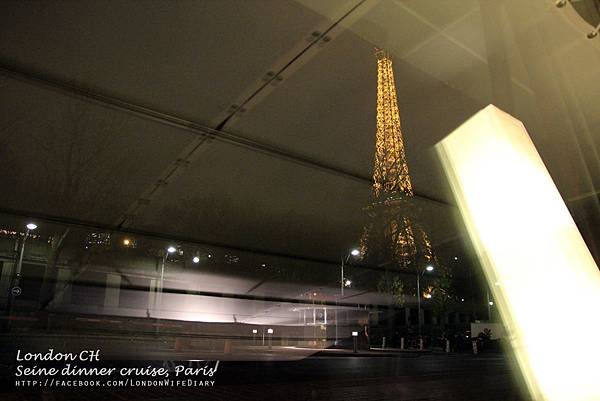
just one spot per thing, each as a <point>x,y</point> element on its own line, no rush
<point>491,303</point>
<point>263,265</point>
<point>348,283</point>
<point>171,249</point>
<point>355,252</point>
<point>462,300</point>
<point>196,259</point>
<point>31,226</point>
<point>429,268</point>
<point>427,295</point>
<point>314,294</point>
<point>456,258</point>
<point>126,242</point>
<point>209,255</point>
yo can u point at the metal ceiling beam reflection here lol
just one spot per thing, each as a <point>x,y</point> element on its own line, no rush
<point>279,73</point>
<point>30,76</point>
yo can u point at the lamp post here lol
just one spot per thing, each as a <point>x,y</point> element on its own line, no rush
<point>30,227</point>
<point>170,249</point>
<point>490,303</point>
<point>427,269</point>
<point>158,298</point>
<point>14,289</point>
<point>343,283</point>
<point>270,333</point>
<point>354,252</point>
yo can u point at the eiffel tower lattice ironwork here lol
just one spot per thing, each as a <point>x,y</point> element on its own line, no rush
<point>393,236</point>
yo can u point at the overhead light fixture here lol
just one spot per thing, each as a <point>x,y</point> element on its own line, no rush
<point>195,259</point>
<point>171,249</point>
<point>355,252</point>
<point>429,268</point>
<point>31,226</point>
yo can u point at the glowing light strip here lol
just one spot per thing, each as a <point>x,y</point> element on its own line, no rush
<point>549,286</point>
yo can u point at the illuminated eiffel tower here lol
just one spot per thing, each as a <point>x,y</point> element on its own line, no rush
<point>393,237</point>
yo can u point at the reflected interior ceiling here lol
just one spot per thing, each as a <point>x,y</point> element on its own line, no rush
<point>293,85</point>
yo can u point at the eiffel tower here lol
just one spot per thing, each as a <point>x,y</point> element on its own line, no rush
<point>392,238</point>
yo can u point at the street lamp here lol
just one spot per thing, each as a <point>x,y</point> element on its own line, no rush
<point>354,252</point>
<point>170,249</point>
<point>344,283</point>
<point>14,289</point>
<point>30,227</point>
<point>490,303</point>
<point>427,269</point>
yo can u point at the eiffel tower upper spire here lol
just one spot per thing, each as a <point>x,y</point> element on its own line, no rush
<point>390,172</point>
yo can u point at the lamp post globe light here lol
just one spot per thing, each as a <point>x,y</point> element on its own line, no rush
<point>429,268</point>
